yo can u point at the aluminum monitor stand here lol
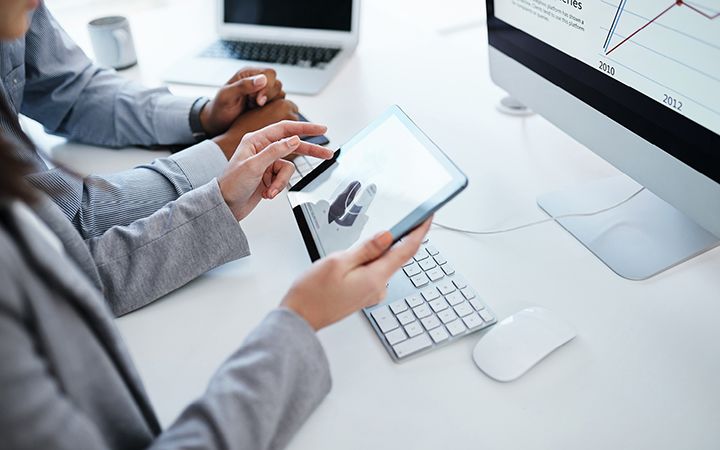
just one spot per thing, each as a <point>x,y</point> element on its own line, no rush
<point>637,240</point>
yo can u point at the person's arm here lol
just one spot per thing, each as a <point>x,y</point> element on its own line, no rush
<point>96,203</point>
<point>151,257</point>
<point>261,395</point>
<point>257,400</point>
<point>73,97</point>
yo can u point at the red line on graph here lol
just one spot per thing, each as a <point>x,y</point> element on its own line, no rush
<point>702,13</point>
<point>674,4</point>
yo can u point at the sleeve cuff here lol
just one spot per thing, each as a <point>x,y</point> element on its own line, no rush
<point>172,120</point>
<point>201,163</point>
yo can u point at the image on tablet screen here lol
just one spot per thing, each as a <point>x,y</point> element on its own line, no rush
<point>376,182</point>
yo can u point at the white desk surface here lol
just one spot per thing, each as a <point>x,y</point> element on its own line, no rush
<point>643,371</point>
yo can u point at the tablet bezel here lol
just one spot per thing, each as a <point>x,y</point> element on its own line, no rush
<point>457,183</point>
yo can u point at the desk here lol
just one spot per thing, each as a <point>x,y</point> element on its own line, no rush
<point>642,372</point>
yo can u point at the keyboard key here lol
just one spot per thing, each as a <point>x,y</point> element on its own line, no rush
<point>440,259</point>
<point>448,269</point>
<point>460,282</point>
<point>410,261</point>
<point>430,322</point>
<point>413,329</point>
<point>462,310</point>
<point>486,316</point>
<point>412,345</point>
<point>455,327</point>
<point>398,306</point>
<point>472,321</point>
<point>406,317</point>
<point>420,280</point>
<point>432,250</point>
<point>438,305</point>
<point>439,334</point>
<point>427,264</point>
<point>435,274</point>
<point>395,336</point>
<point>421,254</point>
<point>412,270</point>
<point>422,311</point>
<point>414,300</point>
<point>447,315</point>
<point>446,287</point>
<point>454,298</point>
<point>468,292</point>
<point>384,319</point>
<point>476,304</point>
<point>430,293</point>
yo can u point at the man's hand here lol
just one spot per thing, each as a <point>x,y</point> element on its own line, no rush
<point>247,89</point>
<point>253,120</point>
<point>257,170</point>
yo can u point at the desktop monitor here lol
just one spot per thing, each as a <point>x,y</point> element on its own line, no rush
<point>638,83</point>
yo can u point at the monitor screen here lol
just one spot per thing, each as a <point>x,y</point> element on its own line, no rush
<point>653,67</point>
<point>335,15</point>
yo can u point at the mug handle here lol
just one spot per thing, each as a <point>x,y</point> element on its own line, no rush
<point>122,38</point>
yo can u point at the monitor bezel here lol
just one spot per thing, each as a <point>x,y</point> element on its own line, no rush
<point>689,142</point>
<point>289,35</point>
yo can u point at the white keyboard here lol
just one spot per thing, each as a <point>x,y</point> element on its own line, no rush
<point>428,306</point>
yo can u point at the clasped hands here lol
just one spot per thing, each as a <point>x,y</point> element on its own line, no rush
<point>250,100</point>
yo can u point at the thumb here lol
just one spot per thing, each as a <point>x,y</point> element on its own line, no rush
<point>370,250</point>
<point>248,85</point>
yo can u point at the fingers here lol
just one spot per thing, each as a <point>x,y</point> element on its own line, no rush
<point>282,171</point>
<point>394,259</point>
<point>273,91</point>
<point>287,128</point>
<point>314,150</point>
<point>244,73</point>
<point>275,151</point>
<point>370,250</point>
<point>248,85</point>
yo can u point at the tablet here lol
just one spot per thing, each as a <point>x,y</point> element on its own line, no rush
<point>390,176</point>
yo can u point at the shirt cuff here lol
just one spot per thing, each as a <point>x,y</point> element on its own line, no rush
<point>201,162</point>
<point>172,120</point>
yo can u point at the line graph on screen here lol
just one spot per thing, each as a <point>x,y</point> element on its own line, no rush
<point>669,50</point>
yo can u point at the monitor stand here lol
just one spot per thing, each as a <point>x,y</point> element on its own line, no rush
<point>637,240</point>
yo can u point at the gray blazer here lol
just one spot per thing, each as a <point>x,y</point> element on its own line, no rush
<point>66,381</point>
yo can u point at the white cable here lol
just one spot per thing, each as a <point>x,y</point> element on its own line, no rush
<point>540,222</point>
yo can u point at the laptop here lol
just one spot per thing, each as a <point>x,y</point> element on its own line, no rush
<point>305,41</point>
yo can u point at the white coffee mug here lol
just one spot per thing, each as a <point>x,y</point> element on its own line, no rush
<point>112,42</point>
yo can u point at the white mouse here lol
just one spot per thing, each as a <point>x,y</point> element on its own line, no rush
<point>515,345</point>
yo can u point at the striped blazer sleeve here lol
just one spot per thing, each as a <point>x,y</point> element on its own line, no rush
<point>96,203</point>
<point>71,96</point>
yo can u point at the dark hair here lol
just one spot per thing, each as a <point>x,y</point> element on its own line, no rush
<point>12,174</point>
<point>13,168</point>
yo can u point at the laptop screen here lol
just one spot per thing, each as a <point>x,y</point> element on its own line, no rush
<point>335,15</point>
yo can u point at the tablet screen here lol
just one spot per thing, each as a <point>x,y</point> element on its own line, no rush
<point>380,178</point>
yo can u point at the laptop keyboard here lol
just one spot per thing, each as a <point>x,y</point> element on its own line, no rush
<point>294,55</point>
<point>442,309</point>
